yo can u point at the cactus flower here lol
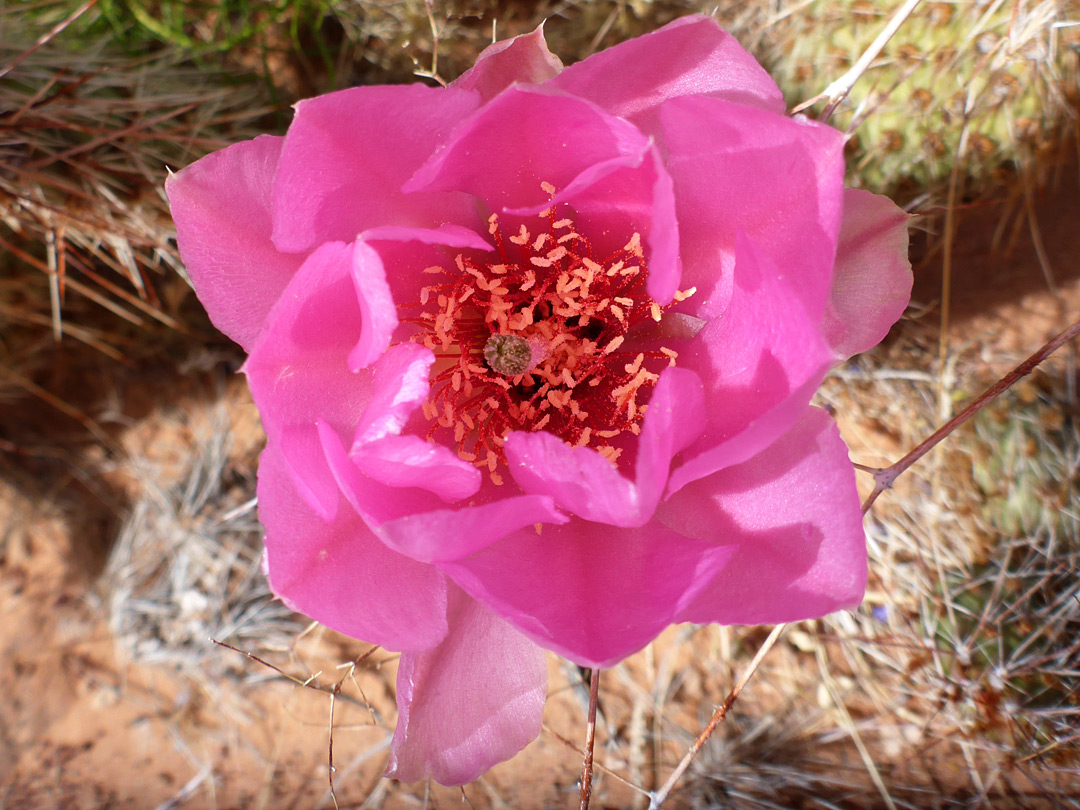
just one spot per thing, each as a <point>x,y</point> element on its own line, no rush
<point>534,355</point>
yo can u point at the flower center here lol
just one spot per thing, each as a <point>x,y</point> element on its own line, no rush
<point>537,341</point>
<point>508,354</point>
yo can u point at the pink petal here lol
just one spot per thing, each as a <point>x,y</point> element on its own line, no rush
<point>872,283</point>
<point>470,703</point>
<point>778,179</point>
<point>298,373</point>
<point>578,478</point>
<point>588,592</point>
<point>524,137</point>
<point>221,207</point>
<point>761,362</point>
<point>404,253</point>
<point>347,154</point>
<point>449,534</point>
<point>375,502</point>
<point>524,59</point>
<point>665,265</point>
<point>616,198</point>
<point>394,504</point>
<point>454,236</point>
<point>409,461</point>
<point>388,270</point>
<point>793,512</point>
<point>691,56</point>
<point>400,384</point>
<point>338,573</point>
<point>586,484</point>
<point>314,481</point>
<point>378,315</point>
<point>390,479</point>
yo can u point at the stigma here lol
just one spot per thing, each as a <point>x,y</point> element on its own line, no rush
<point>512,355</point>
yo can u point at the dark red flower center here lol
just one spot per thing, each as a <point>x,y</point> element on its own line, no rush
<point>539,341</point>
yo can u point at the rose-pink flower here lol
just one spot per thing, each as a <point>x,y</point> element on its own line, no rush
<point>534,355</point>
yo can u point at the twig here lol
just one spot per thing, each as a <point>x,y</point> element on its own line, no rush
<point>885,477</point>
<point>838,90</point>
<point>657,798</point>
<point>590,740</point>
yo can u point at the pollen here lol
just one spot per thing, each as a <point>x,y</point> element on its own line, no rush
<point>540,338</point>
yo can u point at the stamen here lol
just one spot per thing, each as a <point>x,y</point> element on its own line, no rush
<point>682,295</point>
<point>615,343</point>
<point>538,340</point>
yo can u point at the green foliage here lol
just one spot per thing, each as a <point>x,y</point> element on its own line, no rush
<point>201,27</point>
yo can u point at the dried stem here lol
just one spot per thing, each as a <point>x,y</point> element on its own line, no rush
<point>885,477</point>
<point>590,741</point>
<point>657,798</point>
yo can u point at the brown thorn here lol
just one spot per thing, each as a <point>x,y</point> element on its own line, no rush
<point>48,35</point>
<point>590,740</point>
<point>885,477</point>
<point>657,798</point>
<point>308,683</point>
<point>109,136</point>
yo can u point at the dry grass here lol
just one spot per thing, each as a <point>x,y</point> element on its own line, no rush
<point>956,684</point>
<point>87,131</point>
<point>186,564</point>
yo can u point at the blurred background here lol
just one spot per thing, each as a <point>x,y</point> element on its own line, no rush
<point>128,443</point>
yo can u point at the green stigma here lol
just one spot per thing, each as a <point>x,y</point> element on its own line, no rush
<point>508,354</point>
